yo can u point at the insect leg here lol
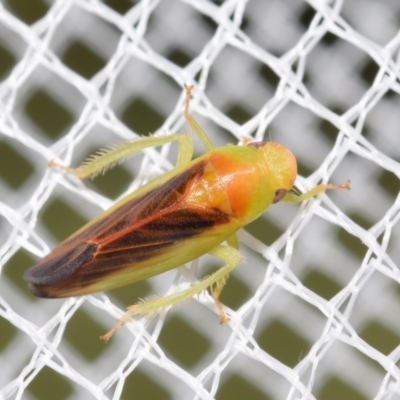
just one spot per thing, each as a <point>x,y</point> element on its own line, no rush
<point>231,256</point>
<point>226,253</point>
<point>295,198</point>
<point>192,122</point>
<point>105,159</point>
<point>233,241</point>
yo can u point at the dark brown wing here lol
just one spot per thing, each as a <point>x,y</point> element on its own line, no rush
<point>137,230</point>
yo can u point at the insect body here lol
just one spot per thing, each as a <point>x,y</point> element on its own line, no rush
<point>170,221</point>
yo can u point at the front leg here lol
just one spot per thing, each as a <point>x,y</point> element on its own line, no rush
<point>291,197</point>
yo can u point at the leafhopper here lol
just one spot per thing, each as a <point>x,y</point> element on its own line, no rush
<point>194,209</point>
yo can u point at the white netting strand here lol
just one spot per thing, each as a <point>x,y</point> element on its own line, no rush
<point>315,303</point>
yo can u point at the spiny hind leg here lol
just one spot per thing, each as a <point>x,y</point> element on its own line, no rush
<point>215,281</point>
<point>105,159</point>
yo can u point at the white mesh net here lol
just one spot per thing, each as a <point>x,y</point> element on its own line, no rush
<point>315,308</point>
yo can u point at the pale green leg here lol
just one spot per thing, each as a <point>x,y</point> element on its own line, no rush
<point>215,281</point>
<point>102,161</point>
<point>233,241</point>
<point>192,122</point>
<point>294,198</point>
